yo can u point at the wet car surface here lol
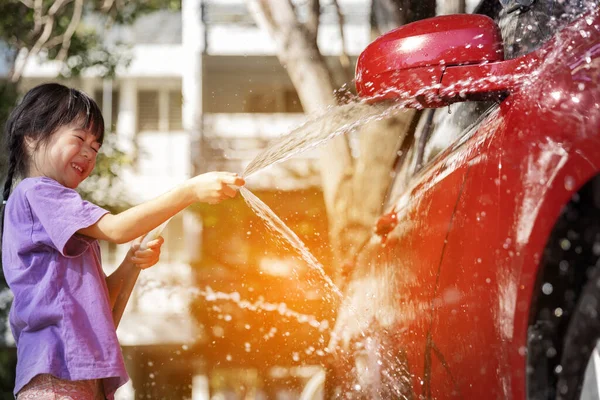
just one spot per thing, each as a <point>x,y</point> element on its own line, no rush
<point>479,281</point>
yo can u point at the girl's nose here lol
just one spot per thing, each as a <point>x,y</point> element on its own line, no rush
<point>85,152</point>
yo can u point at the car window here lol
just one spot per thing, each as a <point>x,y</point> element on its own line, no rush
<point>436,130</point>
<point>404,163</point>
<point>524,29</point>
<point>448,126</point>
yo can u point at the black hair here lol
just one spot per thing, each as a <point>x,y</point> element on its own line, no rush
<point>41,112</point>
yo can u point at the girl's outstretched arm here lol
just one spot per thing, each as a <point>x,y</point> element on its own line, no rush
<point>212,188</point>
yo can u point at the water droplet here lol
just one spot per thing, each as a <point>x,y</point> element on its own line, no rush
<point>569,183</point>
<point>228,357</point>
<point>565,244</point>
<point>563,265</point>
<point>596,249</point>
<point>547,288</point>
<point>558,369</point>
<point>558,312</point>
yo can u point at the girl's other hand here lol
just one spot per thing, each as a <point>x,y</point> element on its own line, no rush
<point>145,258</point>
<point>214,187</point>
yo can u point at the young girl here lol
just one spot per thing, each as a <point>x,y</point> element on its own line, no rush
<point>61,315</point>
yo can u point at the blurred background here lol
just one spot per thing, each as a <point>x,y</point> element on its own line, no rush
<point>190,86</point>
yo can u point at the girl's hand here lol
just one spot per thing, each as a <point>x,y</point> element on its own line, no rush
<point>214,187</point>
<point>145,258</point>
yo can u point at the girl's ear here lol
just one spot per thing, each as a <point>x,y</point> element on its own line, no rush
<point>29,142</point>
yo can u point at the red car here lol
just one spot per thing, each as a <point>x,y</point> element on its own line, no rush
<point>482,280</point>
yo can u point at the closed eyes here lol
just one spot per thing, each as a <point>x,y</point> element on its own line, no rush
<point>96,150</point>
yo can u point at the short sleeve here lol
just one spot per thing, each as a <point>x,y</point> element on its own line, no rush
<point>61,212</point>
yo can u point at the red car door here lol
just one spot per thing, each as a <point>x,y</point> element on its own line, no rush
<point>462,287</point>
<point>414,250</point>
<point>389,302</point>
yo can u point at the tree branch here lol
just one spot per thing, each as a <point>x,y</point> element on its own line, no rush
<point>37,16</point>
<point>314,14</point>
<point>453,7</point>
<point>56,6</point>
<point>263,17</point>
<point>66,42</point>
<point>49,24</point>
<point>387,15</point>
<point>344,59</point>
<point>107,5</point>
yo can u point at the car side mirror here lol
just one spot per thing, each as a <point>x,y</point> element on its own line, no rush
<point>436,62</point>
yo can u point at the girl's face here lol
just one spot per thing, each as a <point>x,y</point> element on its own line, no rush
<point>68,157</point>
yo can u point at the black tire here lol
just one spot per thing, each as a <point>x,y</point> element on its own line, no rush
<point>565,324</point>
<point>583,330</point>
<point>580,340</point>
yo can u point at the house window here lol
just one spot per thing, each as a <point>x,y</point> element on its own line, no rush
<point>175,110</point>
<point>273,100</point>
<point>148,110</point>
<point>292,101</point>
<point>114,115</point>
<point>261,102</point>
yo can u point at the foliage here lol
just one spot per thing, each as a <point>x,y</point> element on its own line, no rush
<point>71,30</point>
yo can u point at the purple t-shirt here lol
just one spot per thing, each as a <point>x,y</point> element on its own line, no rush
<point>60,316</point>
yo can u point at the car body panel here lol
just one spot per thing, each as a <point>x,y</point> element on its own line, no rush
<point>452,285</point>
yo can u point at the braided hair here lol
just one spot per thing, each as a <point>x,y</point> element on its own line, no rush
<point>41,112</point>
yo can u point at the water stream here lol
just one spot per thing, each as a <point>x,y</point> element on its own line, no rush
<point>277,226</point>
<point>319,129</point>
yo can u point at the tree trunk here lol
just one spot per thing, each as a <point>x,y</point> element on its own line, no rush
<point>353,187</point>
<point>452,7</point>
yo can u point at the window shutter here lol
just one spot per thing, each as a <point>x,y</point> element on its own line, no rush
<point>175,111</point>
<point>148,110</point>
